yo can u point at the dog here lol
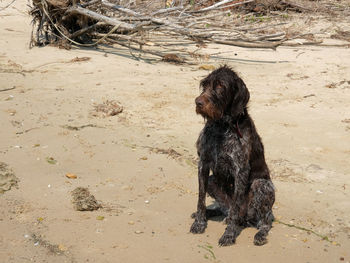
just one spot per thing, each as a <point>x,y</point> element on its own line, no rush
<point>232,167</point>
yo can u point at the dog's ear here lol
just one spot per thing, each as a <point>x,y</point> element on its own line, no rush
<point>240,98</point>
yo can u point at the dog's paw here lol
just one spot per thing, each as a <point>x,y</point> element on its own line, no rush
<point>227,239</point>
<point>260,239</point>
<point>198,227</point>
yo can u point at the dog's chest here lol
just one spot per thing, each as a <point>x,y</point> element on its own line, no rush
<point>222,149</point>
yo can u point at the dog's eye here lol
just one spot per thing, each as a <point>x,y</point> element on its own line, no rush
<point>219,88</point>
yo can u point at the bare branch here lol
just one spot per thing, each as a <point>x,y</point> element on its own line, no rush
<point>219,4</point>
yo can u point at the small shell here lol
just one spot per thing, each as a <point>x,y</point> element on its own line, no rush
<point>71,176</point>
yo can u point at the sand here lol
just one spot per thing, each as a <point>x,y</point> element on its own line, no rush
<point>140,163</point>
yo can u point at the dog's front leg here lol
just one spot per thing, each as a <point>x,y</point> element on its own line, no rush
<point>237,210</point>
<point>200,222</point>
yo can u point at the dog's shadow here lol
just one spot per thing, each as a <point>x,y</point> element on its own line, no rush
<point>213,213</point>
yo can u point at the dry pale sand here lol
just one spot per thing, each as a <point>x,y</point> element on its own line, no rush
<point>140,163</point>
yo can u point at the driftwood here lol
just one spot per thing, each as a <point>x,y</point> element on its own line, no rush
<point>98,17</point>
<point>165,32</point>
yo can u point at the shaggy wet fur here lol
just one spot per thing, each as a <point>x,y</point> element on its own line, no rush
<point>232,167</point>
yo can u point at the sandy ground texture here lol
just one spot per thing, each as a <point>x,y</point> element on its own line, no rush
<point>140,163</point>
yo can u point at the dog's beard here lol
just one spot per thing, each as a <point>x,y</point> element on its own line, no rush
<point>209,112</point>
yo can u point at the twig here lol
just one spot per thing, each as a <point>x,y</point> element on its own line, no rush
<point>167,10</point>
<point>248,28</point>
<point>179,29</point>
<point>7,89</point>
<point>76,59</point>
<point>28,130</point>
<point>248,44</point>
<point>235,4</point>
<point>324,237</point>
<point>3,8</point>
<point>310,95</point>
<point>271,37</point>
<point>16,71</point>
<point>217,5</point>
<point>90,3</point>
<point>155,53</point>
<point>314,43</point>
<point>268,36</point>
<point>77,128</point>
<point>120,8</point>
<point>125,37</point>
<point>217,14</point>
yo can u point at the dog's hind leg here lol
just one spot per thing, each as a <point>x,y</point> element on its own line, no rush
<point>261,199</point>
<point>237,209</point>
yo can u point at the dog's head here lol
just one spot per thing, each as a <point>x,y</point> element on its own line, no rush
<point>223,94</point>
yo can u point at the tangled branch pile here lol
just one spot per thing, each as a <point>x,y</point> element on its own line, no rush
<point>158,28</point>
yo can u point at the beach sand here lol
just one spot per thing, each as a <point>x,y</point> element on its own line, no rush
<point>140,164</point>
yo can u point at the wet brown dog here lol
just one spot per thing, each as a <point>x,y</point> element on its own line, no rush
<point>230,148</point>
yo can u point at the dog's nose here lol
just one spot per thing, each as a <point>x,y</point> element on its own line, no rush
<point>199,102</point>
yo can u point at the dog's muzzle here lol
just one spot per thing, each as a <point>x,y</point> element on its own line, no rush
<point>199,102</point>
